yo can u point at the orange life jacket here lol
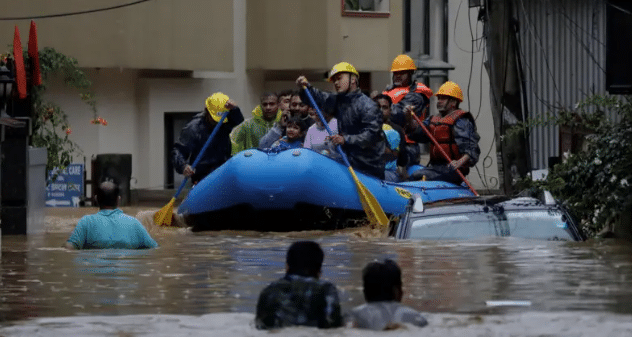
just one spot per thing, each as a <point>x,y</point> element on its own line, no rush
<point>396,94</point>
<point>441,129</point>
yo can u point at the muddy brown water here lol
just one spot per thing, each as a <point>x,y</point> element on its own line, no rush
<point>486,287</point>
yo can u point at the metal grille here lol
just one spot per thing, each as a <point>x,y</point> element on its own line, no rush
<point>562,44</point>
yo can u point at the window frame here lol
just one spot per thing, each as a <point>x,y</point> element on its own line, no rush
<point>364,14</point>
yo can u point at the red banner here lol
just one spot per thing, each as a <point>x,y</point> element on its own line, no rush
<point>34,55</point>
<point>20,73</point>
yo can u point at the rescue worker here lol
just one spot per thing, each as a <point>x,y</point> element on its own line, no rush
<point>248,134</point>
<point>359,119</point>
<point>405,91</point>
<point>454,130</point>
<point>195,134</point>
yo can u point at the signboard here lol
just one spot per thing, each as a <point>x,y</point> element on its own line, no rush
<point>67,189</point>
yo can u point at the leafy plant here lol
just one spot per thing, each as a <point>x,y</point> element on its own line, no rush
<point>595,183</point>
<point>51,128</point>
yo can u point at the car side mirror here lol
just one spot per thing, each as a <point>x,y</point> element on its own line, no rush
<point>418,203</point>
<point>547,198</point>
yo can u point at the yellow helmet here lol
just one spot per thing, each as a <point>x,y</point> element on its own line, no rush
<point>342,67</point>
<point>403,62</point>
<point>451,89</point>
<point>215,104</point>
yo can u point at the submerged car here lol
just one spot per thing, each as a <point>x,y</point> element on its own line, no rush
<point>486,216</point>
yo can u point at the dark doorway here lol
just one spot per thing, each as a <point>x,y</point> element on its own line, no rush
<point>174,123</point>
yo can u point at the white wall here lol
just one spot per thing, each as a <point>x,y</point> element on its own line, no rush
<point>134,108</point>
<point>115,96</point>
<point>170,95</point>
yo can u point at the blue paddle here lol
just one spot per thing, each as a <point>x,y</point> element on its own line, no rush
<point>164,216</point>
<point>371,206</point>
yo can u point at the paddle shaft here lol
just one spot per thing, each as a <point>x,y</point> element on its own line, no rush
<point>445,155</point>
<point>322,119</point>
<point>371,206</point>
<point>199,156</point>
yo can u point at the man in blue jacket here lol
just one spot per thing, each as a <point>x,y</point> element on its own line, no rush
<point>197,131</point>
<point>359,119</point>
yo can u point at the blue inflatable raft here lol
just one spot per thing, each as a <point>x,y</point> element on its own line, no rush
<point>294,190</point>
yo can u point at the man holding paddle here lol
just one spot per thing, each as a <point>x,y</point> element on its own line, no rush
<point>196,133</point>
<point>456,148</point>
<point>359,119</point>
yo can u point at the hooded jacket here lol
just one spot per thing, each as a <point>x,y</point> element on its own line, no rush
<point>193,137</point>
<point>247,134</point>
<point>360,123</point>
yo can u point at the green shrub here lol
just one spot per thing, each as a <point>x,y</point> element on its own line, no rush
<point>595,183</point>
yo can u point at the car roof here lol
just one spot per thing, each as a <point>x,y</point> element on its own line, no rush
<point>494,204</point>
<point>476,203</point>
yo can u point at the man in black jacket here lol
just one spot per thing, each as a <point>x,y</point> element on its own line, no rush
<point>406,92</point>
<point>359,119</point>
<point>196,132</point>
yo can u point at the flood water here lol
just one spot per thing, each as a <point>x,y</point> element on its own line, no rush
<point>207,284</point>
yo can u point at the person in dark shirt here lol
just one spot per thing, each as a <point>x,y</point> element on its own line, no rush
<point>408,153</point>
<point>196,132</point>
<point>300,298</point>
<point>383,292</point>
<point>359,118</point>
<point>455,131</point>
<point>405,92</point>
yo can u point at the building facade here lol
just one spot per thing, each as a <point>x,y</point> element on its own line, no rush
<point>153,63</point>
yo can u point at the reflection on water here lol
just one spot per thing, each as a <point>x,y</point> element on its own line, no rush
<point>202,273</point>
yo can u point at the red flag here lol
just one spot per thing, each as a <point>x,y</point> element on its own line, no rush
<point>20,73</point>
<point>34,55</point>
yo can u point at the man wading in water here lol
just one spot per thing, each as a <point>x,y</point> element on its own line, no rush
<point>110,227</point>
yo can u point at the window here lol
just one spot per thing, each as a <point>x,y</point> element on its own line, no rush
<point>618,49</point>
<point>366,8</point>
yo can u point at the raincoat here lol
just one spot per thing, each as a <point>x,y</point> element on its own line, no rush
<point>360,123</point>
<point>193,137</point>
<point>247,134</point>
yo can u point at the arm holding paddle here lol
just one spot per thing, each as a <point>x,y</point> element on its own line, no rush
<point>319,98</point>
<point>189,142</point>
<point>371,206</point>
<point>454,164</point>
<point>216,109</point>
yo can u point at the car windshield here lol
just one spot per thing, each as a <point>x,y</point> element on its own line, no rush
<point>532,224</point>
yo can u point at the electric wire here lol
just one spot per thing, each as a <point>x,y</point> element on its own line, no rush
<point>74,13</point>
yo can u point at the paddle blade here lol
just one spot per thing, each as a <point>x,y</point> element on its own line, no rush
<point>164,216</point>
<point>371,206</point>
